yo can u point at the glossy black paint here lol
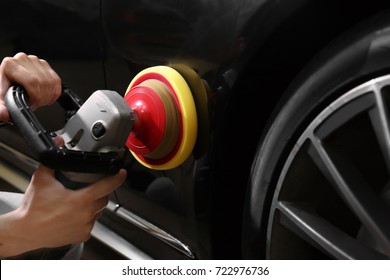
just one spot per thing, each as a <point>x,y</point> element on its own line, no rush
<point>247,51</point>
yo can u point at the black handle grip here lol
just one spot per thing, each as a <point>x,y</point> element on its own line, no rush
<point>43,145</point>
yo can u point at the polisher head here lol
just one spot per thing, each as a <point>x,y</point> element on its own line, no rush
<point>165,121</point>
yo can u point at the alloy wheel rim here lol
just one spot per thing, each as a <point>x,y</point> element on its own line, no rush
<point>332,199</point>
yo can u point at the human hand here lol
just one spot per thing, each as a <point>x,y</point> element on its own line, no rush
<point>53,216</point>
<point>41,82</point>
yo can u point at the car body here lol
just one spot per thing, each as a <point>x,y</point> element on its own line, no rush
<point>253,56</point>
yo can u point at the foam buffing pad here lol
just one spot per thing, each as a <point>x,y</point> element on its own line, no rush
<point>165,121</point>
<point>199,89</point>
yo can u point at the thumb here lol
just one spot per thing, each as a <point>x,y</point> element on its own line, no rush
<point>42,173</point>
<point>106,185</point>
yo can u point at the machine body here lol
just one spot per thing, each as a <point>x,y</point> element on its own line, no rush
<point>102,124</point>
<point>156,120</point>
<point>94,135</point>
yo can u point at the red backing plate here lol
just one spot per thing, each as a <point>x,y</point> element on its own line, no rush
<point>143,140</point>
<point>150,122</point>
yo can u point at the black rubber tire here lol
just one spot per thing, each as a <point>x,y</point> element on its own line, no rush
<point>359,55</point>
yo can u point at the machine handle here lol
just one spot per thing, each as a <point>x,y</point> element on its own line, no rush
<point>42,143</point>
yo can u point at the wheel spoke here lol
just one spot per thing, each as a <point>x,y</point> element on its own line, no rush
<point>325,235</point>
<point>355,191</point>
<point>380,122</point>
<point>331,196</point>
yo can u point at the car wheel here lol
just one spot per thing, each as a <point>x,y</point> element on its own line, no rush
<point>320,185</point>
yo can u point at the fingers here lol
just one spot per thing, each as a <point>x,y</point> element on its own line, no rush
<point>93,192</point>
<point>59,141</point>
<point>93,199</point>
<point>99,193</point>
<point>45,170</point>
<point>99,205</point>
<point>41,82</point>
<point>43,177</point>
<point>107,185</point>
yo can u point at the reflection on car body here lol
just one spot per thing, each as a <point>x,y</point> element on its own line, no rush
<point>270,68</point>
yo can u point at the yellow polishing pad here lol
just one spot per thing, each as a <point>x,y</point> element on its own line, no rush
<point>165,126</point>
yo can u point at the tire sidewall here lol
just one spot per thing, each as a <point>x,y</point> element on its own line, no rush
<point>354,58</point>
